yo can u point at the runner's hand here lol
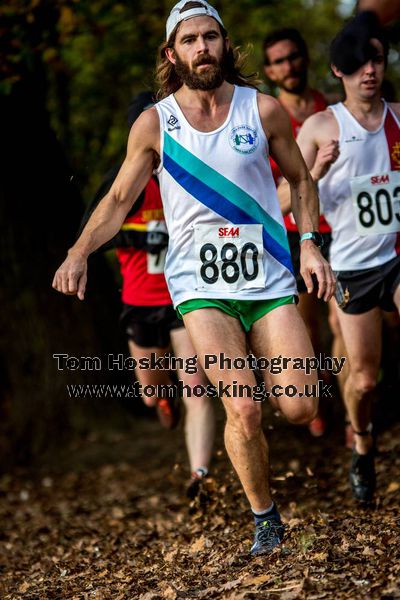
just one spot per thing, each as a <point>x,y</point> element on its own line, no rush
<point>327,154</point>
<point>313,263</point>
<point>71,276</point>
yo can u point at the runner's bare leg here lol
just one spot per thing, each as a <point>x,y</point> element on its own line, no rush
<point>338,347</point>
<point>362,337</point>
<point>245,442</point>
<point>149,376</point>
<point>200,418</point>
<point>282,332</point>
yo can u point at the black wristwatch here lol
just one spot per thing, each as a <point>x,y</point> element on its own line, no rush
<point>314,236</point>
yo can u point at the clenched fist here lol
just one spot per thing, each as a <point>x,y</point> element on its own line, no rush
<point>327,154</point>
<point>71,276</point>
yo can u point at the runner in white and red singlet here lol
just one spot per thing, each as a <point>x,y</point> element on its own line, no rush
<point>360,196</point>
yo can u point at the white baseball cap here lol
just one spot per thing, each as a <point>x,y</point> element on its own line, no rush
<point>175,16</point>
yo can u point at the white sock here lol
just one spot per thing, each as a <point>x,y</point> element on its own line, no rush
<point>202,471</point>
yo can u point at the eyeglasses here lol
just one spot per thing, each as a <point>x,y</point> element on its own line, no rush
<point>290,57</point>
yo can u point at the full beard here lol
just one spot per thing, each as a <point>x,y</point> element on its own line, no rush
<point>299,88</point>
<point>208,79</point>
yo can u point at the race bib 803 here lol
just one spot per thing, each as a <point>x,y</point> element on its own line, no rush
<point>376,203</point>
<point>229,258</point>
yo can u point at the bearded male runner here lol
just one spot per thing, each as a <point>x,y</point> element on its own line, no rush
<point>228,265</point>
<point>360,197</point>
<point>286,65</point>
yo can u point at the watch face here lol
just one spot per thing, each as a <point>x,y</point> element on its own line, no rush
<point>318,239</point>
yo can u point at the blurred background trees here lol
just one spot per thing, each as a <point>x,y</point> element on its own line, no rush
<point>90,58</point>
<point>68,71</point>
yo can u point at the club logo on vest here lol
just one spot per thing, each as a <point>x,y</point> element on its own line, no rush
<point>244,139</point>
<point>396,156</point>
<point>173,122</point>
<point>354,138</point>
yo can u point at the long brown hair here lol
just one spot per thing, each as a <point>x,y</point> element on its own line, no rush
<point>169,82</point>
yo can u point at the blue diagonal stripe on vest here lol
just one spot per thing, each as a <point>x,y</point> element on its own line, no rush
<point>216,201</point>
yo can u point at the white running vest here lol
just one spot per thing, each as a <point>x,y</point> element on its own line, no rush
<point>226,234</point>
<point>360,194</point>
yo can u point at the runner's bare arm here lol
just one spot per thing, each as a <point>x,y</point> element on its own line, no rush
<point>284,150</point>
<point>304,198</point>
<point>284,197</point>
<point>110,213</point>
<point>318,153</point>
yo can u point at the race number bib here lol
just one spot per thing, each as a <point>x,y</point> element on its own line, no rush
<point>376,203</point>
<point>155,234</point>
<point>229,258</point>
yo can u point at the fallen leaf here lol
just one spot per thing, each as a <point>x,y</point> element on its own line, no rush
<point>169,593</point>
<point>234,596</point>
<point>170,556</point>
<point>120,574</point>
<point>207,592</point>
<point>294,464</point>
<point>288,592</point>
<point>319,556</point>
<point>291,595</point>
<point>117,512</point>
<point>229,585</point>
<point>344,545</point>
<point>258,580</point>
<point>199,545</point>
<point>392,487</point>
<point>294,522</point>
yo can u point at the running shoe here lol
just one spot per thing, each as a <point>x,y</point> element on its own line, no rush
<point>362,476</point>
<point>168,412</point>
<point>268,535</point>
<point>195,483</point>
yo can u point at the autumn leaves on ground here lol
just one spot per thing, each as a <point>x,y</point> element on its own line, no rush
<point>109,520</point>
